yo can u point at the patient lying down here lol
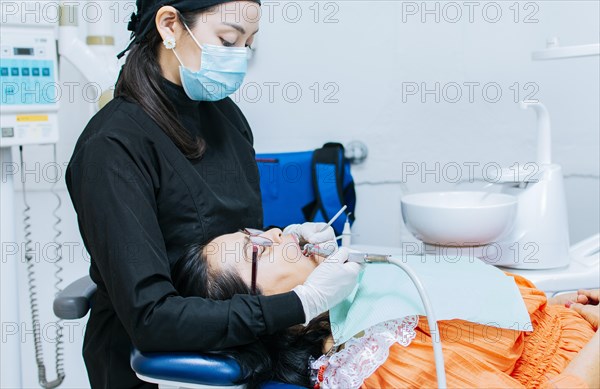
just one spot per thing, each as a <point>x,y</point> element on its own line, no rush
<point>561,352</point>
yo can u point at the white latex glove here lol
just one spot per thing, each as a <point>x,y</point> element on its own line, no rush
<point>328,285</point>
<point>311,233</point>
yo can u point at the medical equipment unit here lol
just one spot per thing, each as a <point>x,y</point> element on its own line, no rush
<point>29,116</point>
<point>29,86</point>
<point>529,235</point>
<point>30,93</point>
<point>523,227</point>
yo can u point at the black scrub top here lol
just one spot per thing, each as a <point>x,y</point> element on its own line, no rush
<point>139,202</point>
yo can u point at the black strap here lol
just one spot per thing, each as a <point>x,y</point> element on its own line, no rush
<point>332,155</point>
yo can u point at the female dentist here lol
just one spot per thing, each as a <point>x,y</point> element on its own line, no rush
<point>168,162</point>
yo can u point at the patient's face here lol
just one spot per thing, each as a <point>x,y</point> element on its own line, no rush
<point>280,267</point>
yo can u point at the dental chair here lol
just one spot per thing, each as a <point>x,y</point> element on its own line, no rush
<point>182,370</point>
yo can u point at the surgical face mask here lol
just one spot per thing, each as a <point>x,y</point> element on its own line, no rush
<point>221,74</point>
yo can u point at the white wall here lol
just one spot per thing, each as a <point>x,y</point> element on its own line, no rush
<point>367,55</point>
<point>370,53</point>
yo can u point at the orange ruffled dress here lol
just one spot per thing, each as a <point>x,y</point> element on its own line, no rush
<point>478,356</point>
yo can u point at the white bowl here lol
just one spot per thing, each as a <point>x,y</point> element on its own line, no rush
<point>459,218</point>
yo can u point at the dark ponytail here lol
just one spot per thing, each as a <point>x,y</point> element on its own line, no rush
<point>283,356</point>
<point>140,81</point>
<point>291,350</point>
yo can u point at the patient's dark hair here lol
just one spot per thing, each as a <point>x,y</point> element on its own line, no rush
<point>282,356</point>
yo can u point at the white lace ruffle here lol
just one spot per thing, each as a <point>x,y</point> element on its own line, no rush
<point>348,368</point>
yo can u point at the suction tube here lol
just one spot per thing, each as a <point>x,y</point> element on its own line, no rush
<point>431,319</point>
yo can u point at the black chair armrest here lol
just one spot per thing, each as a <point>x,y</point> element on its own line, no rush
<point>74,301</point>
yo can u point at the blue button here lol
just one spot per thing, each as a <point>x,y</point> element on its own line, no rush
<point>46,72</point>
<point>14,71</point>
<point>35,72</point>
<point>4,72</point>
<point>25,71</point>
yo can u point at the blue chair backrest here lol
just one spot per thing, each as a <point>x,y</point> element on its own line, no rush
<point>306,186</point>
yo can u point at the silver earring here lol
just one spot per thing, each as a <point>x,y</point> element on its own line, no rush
<point>170,43</point>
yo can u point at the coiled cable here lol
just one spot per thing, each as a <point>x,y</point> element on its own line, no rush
<point>59,350</point>
<point>39,352</point>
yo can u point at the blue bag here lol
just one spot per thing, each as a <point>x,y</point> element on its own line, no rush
<point>306,186</point>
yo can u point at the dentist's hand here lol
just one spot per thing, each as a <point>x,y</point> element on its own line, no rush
<point>311,233</point>
<point>328,285</point>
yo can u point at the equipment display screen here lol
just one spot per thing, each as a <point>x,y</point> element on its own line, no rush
<point>23,51</point>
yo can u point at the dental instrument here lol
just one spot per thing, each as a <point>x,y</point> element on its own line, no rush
<point>302,241</point>
<point>334,218</point>
<point>366,258</point>
<point>347,233</point>
<point>315,249</point>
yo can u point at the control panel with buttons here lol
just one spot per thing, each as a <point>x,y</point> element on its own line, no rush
<point>29,87</point>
